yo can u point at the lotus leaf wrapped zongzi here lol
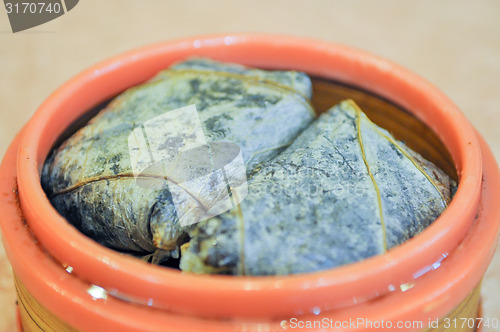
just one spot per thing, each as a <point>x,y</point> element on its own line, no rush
<point>91,178</point>
<point>345,190</point>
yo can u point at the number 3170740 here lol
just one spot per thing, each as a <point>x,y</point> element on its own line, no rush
<point>32,7</point>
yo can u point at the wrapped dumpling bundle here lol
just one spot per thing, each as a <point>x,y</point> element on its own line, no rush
<point>104,178</point>
<point>345,190</point>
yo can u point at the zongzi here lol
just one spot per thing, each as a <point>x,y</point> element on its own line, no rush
<point>99,178</point>
<point>345,190</point>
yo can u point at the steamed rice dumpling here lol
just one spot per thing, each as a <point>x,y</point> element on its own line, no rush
<point>108,179</point>
<point>227,167</point>
<point>345,190</point>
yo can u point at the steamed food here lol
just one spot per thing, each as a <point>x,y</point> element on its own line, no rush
<point>90,178</point>
<point>228,168</point>
<point>345,190</point>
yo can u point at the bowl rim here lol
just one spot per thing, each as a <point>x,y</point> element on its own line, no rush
<point>270,295</point>
<point>433,296</point>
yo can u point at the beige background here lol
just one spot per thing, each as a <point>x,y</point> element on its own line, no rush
<point>454,44</point>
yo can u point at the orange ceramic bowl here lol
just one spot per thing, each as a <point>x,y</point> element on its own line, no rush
<point>465,233</point>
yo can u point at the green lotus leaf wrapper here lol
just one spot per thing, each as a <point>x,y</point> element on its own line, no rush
<point>345,190</point>
<point>229,165</point>
<point>91,178</point>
